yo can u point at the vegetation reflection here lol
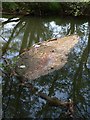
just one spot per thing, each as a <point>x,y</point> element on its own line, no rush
<point>70,82</point>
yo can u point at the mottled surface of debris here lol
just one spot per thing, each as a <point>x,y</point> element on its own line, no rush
<point>45,57</point>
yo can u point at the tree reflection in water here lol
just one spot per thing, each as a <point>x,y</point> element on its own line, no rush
<point>72,81</point>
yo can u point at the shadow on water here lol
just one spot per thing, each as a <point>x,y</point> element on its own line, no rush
<point>70,82</point>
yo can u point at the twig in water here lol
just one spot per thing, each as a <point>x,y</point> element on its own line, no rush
<point>3,38</point>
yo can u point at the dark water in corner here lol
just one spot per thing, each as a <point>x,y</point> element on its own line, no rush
<point>72,81</point>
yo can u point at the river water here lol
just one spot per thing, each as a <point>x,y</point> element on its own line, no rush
<point>70,82</point>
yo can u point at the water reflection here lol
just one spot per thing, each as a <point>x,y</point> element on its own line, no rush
<point>72,81</point>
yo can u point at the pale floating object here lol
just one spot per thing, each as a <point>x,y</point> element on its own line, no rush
<point>36,46</point>
<point>22,66</point>
<point>46,57</point>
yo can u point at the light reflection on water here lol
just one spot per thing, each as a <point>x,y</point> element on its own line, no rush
<point>72,81</point>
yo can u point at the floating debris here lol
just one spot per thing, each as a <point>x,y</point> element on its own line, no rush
<point>45,57</point>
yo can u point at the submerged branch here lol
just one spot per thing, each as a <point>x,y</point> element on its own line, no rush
<point>53,101</point>
<point>58,103</point>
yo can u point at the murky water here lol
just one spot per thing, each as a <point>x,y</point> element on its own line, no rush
<point>70,82</point>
